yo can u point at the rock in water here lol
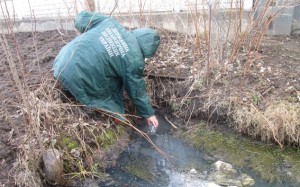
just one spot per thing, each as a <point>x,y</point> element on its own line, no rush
<point>193,171</point>
<point>247,180</point>
<point>225,175</point>
<point>222,166</point>
<point>53,166</point>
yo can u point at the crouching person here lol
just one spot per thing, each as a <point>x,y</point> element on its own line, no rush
<point>105,59</point>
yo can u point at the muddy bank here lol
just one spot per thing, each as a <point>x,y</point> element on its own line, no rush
<point>257,94</point>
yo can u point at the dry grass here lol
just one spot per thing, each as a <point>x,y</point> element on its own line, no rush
<point>84,137</point>
<point>279,122</point>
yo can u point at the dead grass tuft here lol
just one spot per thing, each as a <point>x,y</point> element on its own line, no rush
<point>77,132</point>
<point>280,122</point>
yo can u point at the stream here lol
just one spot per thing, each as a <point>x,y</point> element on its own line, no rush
<point>142,165</point>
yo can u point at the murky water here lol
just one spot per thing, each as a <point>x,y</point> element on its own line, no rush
<point>142,165</point>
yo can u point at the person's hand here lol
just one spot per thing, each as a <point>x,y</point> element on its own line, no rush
<point>153,120</point>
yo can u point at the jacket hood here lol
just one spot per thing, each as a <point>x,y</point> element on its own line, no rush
<point>84,20</point>
<point>148,40</point>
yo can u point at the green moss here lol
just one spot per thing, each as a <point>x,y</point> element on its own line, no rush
<point>265,160</point>
<point>141,168</point>
<point>70,143</point>
<point>174,106</point>
<point>104,141</point>
<point>109,137</point>
<point>120,130</point>
<point>140,172</point>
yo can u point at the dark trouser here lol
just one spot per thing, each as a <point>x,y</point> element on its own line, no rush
<point>65,95</point>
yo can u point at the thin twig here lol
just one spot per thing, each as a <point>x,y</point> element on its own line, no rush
<point>174,126</point>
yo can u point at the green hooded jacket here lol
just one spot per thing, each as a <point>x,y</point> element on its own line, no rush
<point>104,59</point>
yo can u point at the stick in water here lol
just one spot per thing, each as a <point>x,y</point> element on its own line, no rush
<point>174,126</point>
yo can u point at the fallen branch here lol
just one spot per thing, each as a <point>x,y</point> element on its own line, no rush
<point>166,77</point>
<point>174,126</point>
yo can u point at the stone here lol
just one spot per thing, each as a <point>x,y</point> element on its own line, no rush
<point>246,180</point>
<point>193,171</point>
<point>221,166</point>
<point>75,152</point>
<point>225,175</point>
<point>53,166</point>
<point>223,179</point>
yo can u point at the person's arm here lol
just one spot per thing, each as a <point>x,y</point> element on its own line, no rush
<point>136,89</point>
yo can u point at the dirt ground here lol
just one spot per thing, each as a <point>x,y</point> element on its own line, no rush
<point>273,76</point>
<point>44,45</point>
